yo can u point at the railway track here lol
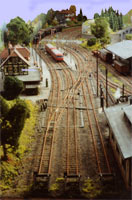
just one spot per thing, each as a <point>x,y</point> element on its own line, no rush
<point>69,90</point>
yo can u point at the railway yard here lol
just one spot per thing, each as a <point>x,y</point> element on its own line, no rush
<point>72,140</point>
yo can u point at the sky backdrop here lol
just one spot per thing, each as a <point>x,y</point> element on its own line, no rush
<point>29,9</point>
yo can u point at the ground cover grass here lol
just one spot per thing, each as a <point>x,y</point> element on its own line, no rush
<point>9,169</point>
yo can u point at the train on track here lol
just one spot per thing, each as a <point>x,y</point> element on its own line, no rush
<point>48,31</point>
<point>120,65</point>
<point>55,53</point>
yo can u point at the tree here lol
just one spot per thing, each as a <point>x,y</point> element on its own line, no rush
<point>4,107</point>
<point>96,15</point>
<point>19,31</point>
<point>84,18</point>
<point>111,21</point>
<point>13,124</point>
<point>80,16</point>
<point>73,9</point>
<point>102,13</point>
<point>12,87</point>
<point>6,41</point>
<point>100,28</point>
<point>50,16</point>
<point>55,22</point>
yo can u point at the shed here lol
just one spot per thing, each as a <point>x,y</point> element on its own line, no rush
<point>120,133</point>
<point>123,50</point>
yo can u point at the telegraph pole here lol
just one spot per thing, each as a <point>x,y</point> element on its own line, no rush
<point>106,87</point>
<point>123,87</point>
<point>97,74</point>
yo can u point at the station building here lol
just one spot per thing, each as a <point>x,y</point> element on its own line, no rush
<point>16,62</point>
<point>122,52</point>
<point>119,119</point>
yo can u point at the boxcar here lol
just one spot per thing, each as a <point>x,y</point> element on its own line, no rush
<point>123,68</point>
<point>106,56</point>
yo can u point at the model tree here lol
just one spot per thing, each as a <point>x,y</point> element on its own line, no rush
<point>12,87</point>
<point>80,15</point>
<point>18,31</point>
<point>73,9</point>
<point>12,122</point>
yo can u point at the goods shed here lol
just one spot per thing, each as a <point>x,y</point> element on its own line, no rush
<point>123,56</point>
<point>119,119</point>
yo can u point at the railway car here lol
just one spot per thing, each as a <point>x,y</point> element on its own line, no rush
<point>121,67</point>
<point>106,56</point>
<point>95,53</point>
<point>49,47</point>
<point>57,55</point>
<point>48,31</point>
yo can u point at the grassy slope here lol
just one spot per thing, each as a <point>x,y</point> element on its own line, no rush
<point>127,18</point>
<point>9,169</point>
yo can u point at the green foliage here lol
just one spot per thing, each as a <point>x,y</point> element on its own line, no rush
<point>9,169</point>
<point>16,118</point>
<point>12,87</point>
<point>128,36</point>
<point>113,17</point>
<point>100,28</point>
<point>80,16</point>
<point>8,172</point>
<point>70,23</point>
<point>96,15</point>
<point>50,16</point>
<point>91,41</point>
<point>4,107</point>
<point>25,139</point>
<point>57,188</point>
<point>55,22</point>
<point>127,19</point>
<point>18,31</point>
<point>91,189</point>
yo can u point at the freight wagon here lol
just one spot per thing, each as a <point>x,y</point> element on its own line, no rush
<point>121,67</point>
<point>106,56</point>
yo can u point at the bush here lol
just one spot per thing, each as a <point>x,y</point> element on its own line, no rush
<point>91,189</point>
<point>91,41</point>
<point>70,23</point>
<point>12,87</point>
<point>128,36</point>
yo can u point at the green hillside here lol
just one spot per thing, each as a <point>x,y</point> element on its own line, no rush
<point>40,18</point>
<point>127,19</point>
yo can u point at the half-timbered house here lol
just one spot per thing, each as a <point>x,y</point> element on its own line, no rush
<point>15,62</point>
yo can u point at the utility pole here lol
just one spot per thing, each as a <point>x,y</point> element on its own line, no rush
<point>97,74</point>
<point>123,87</point>
<point>106,87</point>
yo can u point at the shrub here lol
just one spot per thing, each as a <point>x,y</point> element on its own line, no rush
<point>91,189</point>
<point>128,36</point>
<point>12,87</point>
<point>91,41</point>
